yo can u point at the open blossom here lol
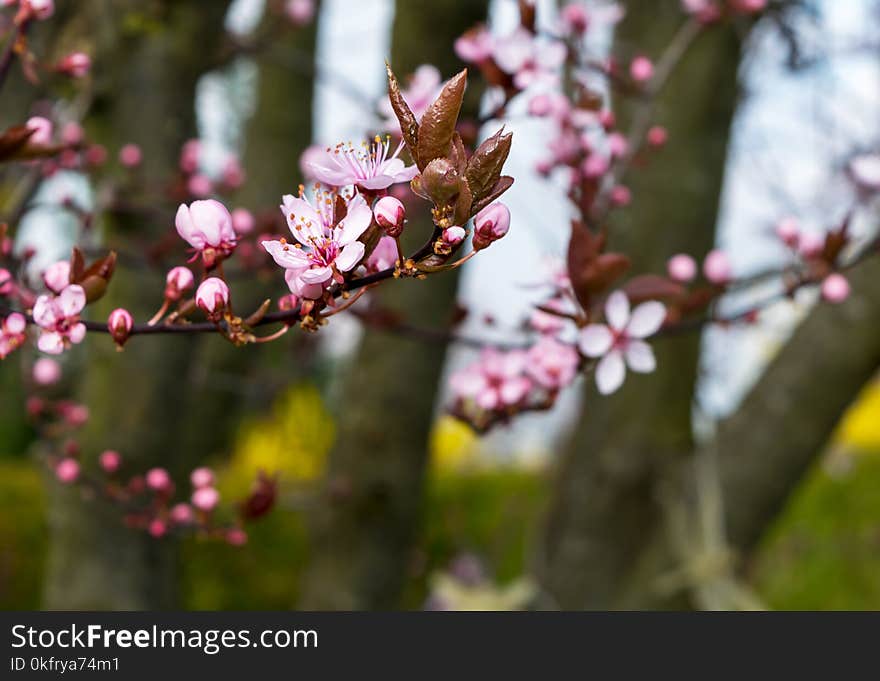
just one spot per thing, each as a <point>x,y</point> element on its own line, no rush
<point>207,227</point>
<point>205,498</point>
<point>323,251</point>
<point>682,268</point>
<point>368,167</point>
<point>552,364</point>
<point>12,333</point>
<point>56,276</point>
<point>475,45</point>
<point>529,59</point>
<point>620,342</point>
<point>212,297</point>
<point>496,381</point>
<point>58,317</point>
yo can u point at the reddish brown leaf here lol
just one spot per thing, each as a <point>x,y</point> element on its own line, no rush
<point>652,287</point>
<point>438,123</point>
<point>409,126</point>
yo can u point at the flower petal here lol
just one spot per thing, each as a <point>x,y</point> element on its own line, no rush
<point>350,256</point>
<point>610,372</point>
<point>640,357</point>
<point>646,319</point>
<point>355,223</point>
<point>617,310</point>
<point>51,343</point>
<point>186,229</point>
<point>304,222</point>
<point>595,340</point>
<point>285,255</point>
<point>72,300</point>
<point>316,275</point>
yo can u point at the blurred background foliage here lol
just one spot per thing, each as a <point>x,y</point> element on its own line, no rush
<point>823,552</point>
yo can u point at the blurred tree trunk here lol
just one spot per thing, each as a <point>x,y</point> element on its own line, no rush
<point>365,523</point>
<point>605,501</point>
<point>149,57</point>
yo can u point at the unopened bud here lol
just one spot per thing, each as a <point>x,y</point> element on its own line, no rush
<point>490,224</point>
<point>178,280</point>
<point>119,323</point>
<point>67,470</point>
<point>110,461</point>
<point>212,297</point>
<point>390,215</point>
<point>75,65</point>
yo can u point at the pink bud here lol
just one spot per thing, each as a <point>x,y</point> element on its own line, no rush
<point>453,236</point>
<point>158,480</point>
<point>574,17</point>
<point>110,461</point>
<point>72,133</point>
<point>57,276</point>
<point>46,371</point>
<point>119,324</point>
<point>37,9</point>
<point>788,231</point>
<point>74,414</point>
<point>75,65</point>
<point>189,156</point>
<point>233,173</point>
<point>178,280</point>
<point>716,267</point>
<point>748,6</point>
<point>212,297</point>
<point>811,244</point>
<point>242,221</point>
<point>130,155</point>
<point>96,155</point>
<point>299,12</point>
<point>682,267</point>
<point>181,514</point>
<point>617,145</point>
<point>157,528</point>
<point>490,224</point>
<point>540,105</point>
<point>835,288</point>
<point>42,128</point>
<point>7,285</point>
<point>641,69</point>
<point>15,323</point>
<point>205,498</point>
<point>67,470</point>
<point>390,215</point>
<point>595,166</point>
<point>236,536</point>
<point>657,136</point>
<point>620,196</point>
<point>199,185</point>
<point>607,119</point>
<point>202,477</point>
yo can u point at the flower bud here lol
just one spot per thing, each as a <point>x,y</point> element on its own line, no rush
<point>453,236</point>
<point>490,225</point>
<point>620,196</point>
<point>67,470</point>
<point>202,477</point>
<point>657,136</point>
<point>181,514</point>
<point>242,221</point>
<point>390,215</point>
<point>119,324</point>
<point>110,461</point>
<point>641,69</point>
<point>7,285</point>
<point>157,528</point>
<point>212,297</point>
<point>178,280</point>
<point>75,65</point>
<point>205,498</point>
<point>35,9</point>
<point>716,267</point>
<point>835,288</point>
<point>130,155</point>
<point>299,12</point>
<point>46,371</point>
<point>788,231</point>
<point>236,536</point>
<point>42,127</point>
<point>158,480</point>
<point>682,268</point>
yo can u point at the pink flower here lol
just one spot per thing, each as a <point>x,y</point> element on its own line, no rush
<point>716,267</point>
<point>38,9</point>
<point>72,133</point>
<point>178,280</point>
<point>233,173</point>
<point>202,477</point>
<point>620,342</point>
<point>235,536</point>
<point>527,59</point>
<point>199,185</point>
<point>212,297</point>
<point>595,166</point>
<point>475,46</point>
<point>58,317</point>
<point>207,227</point>
<point>657,136</point>
<point>620,196</point>
<point>12,333</point>
<point>242,221</point>
<point>42,128</point>
<point>181,514</point>
<point>119,323</point>
<point>495,382</point>
<point>205,498</point>
<point>390,215</point>
<point>553,365</point>
<point>75,65</point>
<point>682,268</point>
<point>811,244</point>
<point>788,231</point>
<point>299,12</point>
<point>367,167</point>
<point>67,470</point>
<point>46,371</point>
<point>865,170</point>
<point>705,11</point>
<point>835,288</point>
<point>56,277</point>
<point>574,18</point>
<point>158,480</point>
<point>130,155</point>
<point>157,528</point>
<point>617,145</point>
<point>110,461</point>
<point>323,251</point>
<point>641,69</point>
<point>453,236</point>
<point>189,156</point>
<point>384,256</point>
<point>490,224</point>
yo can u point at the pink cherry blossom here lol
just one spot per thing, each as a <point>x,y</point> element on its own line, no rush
<point>190,155</point>
<point>56,276</point>
<point>620,196</point>
<point>157,528</point>
<point>202,477</point>
<point>641,69</point>
<point>58,317</point>
<point>42,127</point>
<point>120,323</point>
<point>205,499</point>
<point>657,136</point>
<point>495,382</point>
<point>130,155</point>
<point>384,256</point>
<point>75,65</point>
<point>529,59</point>
<point>835,288</point>
<point>620,342</point>
<point>67,470</point>
<point>552,364</point>
<point>575,18</point>
<point>212,297</point>
<point>110,461</point>
<point>453,236</point>
<point>177,281</point>
<point>12,333</point>
<point>491,224</point>
<point>368,167</point>
<point>207,227</point>
<point>243,221</point>
<point>46,371</point>
<point>788,231</point>
<point>390,215</point>
<point>682,268</point>
<point>475,46</point>
<point>299,12</point>
<point>181,514</point>
<point>716,267</point>
<point>37,9</point>
<point>323,251</point>
<point>158,480</point>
